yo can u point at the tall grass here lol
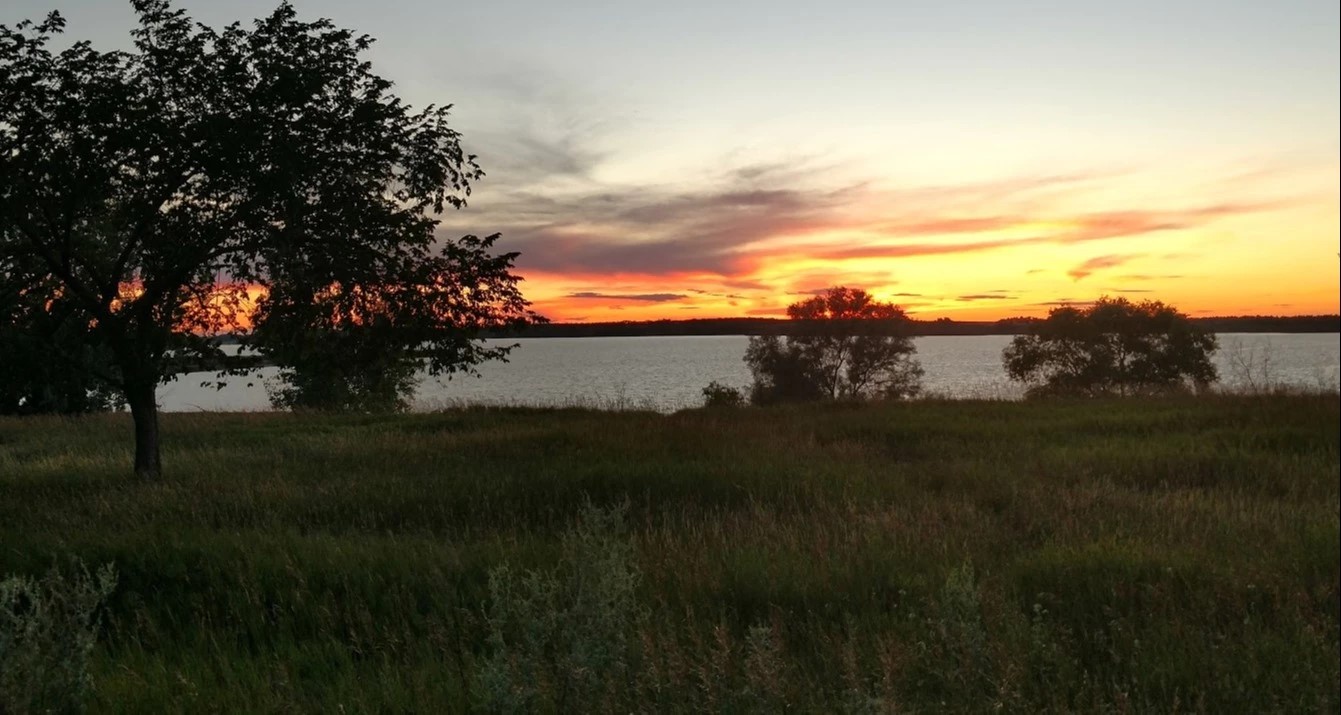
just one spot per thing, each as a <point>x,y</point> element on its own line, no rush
<point>48,627</point>
<point>1157,555</point>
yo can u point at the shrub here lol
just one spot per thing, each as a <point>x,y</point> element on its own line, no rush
<point>48,627</point>
<point>718,395</point>
<point>565,640</point>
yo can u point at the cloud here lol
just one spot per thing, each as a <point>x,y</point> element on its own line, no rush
<point>1099,263</point>
<point>1139,277</point>
<point>994,295</point>
<point>643,297</point>
<point>1063,302</point>
<point>545,195</point>
<point>1076,229</point>
<point>735,220</point>
<point>717,294</point>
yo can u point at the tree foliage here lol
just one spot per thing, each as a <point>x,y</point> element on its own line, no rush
<point>1114,346</point>
<point>841,345</point>
<point>46,358</point>
<point>154,187</point>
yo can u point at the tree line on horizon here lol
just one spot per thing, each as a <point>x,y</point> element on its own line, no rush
<point>919,328</point>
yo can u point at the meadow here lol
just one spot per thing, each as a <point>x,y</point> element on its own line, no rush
<point>1152,555</point>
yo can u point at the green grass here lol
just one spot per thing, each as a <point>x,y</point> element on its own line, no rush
<point>1125,556</point>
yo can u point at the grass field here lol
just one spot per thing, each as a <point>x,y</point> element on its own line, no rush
<point>1172,555</point>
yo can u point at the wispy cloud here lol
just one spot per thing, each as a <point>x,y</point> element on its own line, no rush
<point>746,234</point>
<point>641,297</point>
<point>550,205</point>
<point>1099,263</point>
<point>1139,277</point>
<point>1064,302</point>
<point>994,295</point>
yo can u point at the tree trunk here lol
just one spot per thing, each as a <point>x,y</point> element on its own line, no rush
<point>144,411</point>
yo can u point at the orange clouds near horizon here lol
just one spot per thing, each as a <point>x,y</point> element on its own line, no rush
<point>1009,269</point>
<point>749,242</point>
<point>980,251</point>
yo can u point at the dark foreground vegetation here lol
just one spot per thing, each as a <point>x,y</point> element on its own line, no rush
<point>1149,555</point>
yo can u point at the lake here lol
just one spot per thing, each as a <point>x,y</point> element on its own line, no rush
<point>668,373</point>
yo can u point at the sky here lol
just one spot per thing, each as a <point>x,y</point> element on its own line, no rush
<point>970,159</point>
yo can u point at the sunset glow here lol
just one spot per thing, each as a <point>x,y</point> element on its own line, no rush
<point>972,160</point>
<point>1019,251</point>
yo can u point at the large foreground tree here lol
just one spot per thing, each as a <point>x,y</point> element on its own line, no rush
<point>1114,346</point>
<point>143,192</point>
<point>841,344</point>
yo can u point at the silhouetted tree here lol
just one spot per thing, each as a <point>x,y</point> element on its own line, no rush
<point>359,349</point>
<point>155,185</point>
<point>841,345</point>
<point>46,357</point>
<point>1112,347</point>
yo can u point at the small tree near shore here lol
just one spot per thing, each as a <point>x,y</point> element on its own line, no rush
<point>841,345</point>
<point>1113,347</point>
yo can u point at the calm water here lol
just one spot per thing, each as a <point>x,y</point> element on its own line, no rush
<point>668,373</point>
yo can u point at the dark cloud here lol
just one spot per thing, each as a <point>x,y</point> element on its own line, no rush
<point>715,294</point>
<point>730,232</point>
<point>641,231</point>
<point>522,158</point>
<point>643,297</point>
<point>718,228</point>
<point>994,295</point>
<point>745,284</point>
<point>1132,290</point>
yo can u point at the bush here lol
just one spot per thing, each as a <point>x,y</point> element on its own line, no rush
<point>48,627</point>
<point>718,395</point>
<point>338,386</point>
<point>565,640</point>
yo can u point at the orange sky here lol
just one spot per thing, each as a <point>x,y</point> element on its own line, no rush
<point>973,160</point>
<point>1214,241</point>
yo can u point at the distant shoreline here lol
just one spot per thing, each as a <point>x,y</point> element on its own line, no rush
<point>920,328</point>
